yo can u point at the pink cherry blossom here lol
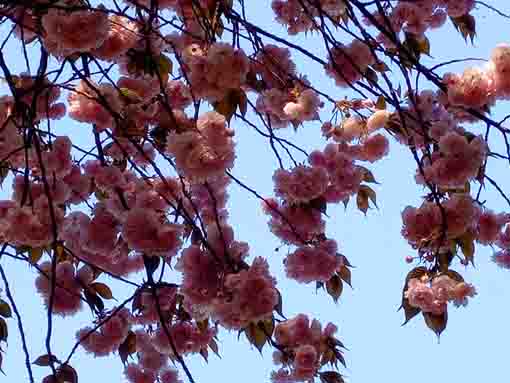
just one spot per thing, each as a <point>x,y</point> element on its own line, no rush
<point>144,232</point>
<point>205,152</point>
<point>122,35</point>
<point>490,225</point>
<point>313,263</point>
<point>77,31</point>
<point>85,104</point>
<point>349,62</point>
<point>302,184</point>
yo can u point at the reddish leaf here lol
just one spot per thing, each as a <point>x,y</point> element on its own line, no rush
<point>5,309</point>
<point>243,103</point>
<point>4,333</point>
<point>466,25</point>
<point>256,336</point>
<point>102,289</point>
<point>67,374</point>
<point>436,323</point>
<point>204,354</point>
<point>93,300</point>
<point>362,202</point>
<point>417,272</point>
<point>35,255</point>
<point>409,311</point>
<point>127,347</point>
<point>345,274</point>
<point>455,275</point>
<point>279,306</point>
<point>334,287</point>
<point>45,360</point>
<point>214,347</point>
<point>331,377</point>
<point>368,176</point>
<point>467,245</point>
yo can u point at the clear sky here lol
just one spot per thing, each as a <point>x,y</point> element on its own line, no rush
<point>474,346</point>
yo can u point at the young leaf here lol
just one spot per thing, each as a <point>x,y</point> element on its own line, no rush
<point>368,176</point>
<point>102,289</point>
<point>45,360</point>
<point>436,323</point>
<point>334,287</point>
<point>331,377</point>
<point>279,306</point>
<point>127,347</point>
<point>93,300</point>
<point>466,25</point>
<point>409,311</point>
<point>381,103</point>
<point>467,245</point>
<point>214,347</point>
<point>67,374</point>
<point>345,274</point>
<point>5,309</point>
<point>35,255</point>
<point>362,201</point>
<point>256,336</point>
<point>4,333</point>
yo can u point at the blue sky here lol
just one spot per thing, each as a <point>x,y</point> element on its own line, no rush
<point>473,347</point>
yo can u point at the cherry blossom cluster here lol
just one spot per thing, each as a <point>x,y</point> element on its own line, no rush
<point>77,215</point>
<point>299,16</point>
<point>151,363</point>
<point>286,96</point>
<point>69,284</point>
<point>432,296</point>
<point>332,176</point>
<point>109,336</point>
<point>303,348</point>
<point>417,17</point>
